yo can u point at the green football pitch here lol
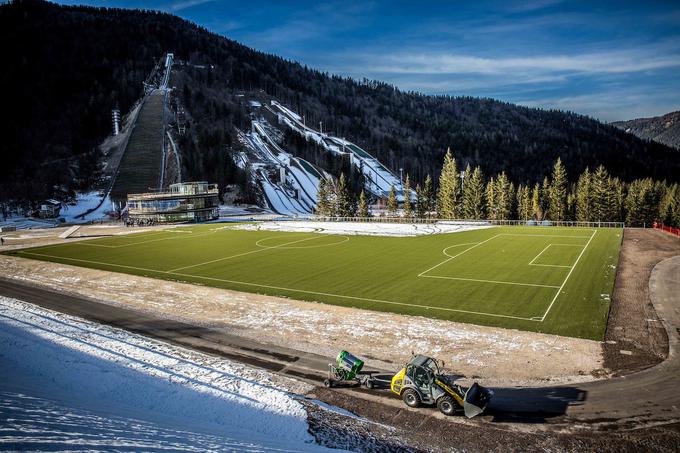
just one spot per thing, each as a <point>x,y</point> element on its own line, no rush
<point>545,279</point>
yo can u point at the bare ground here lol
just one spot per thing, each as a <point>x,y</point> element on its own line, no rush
<point>423,430</point>
<point>633,325</point>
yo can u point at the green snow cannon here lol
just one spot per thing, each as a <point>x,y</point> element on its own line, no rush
<point>347,369</point>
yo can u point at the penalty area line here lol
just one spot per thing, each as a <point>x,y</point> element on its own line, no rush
<point>488,281</point>
<point>559,291</point>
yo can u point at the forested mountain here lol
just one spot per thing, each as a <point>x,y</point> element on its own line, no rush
<point>65,68</point>
<point>663,129</point>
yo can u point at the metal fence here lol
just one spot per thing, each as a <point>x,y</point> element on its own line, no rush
<point>431,220</point>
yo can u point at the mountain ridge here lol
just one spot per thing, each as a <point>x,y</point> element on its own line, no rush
<point>663,129</point>
<point>76,63</point>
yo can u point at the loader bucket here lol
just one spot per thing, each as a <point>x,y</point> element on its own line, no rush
<point>476,399</point>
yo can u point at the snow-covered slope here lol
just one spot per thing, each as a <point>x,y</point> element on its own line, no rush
<point>379,179</point>
<point>71,384</point>
<point>296,192</point>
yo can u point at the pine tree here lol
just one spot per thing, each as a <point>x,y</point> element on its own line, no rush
<point>617,199</point>
<point>392,204</point>
<point>342,197</point>
<point>558,192</point>
<point>668,206</point>
<point>322,201</point>
<point>363,206</point>
<point>584,197</point>
<point>545,199</point>
<point>524,203</point>
<point>536,203</point>
<point>600,189</point>
<point>449,195</point>
<point>512,201</point>
<point>408,212</point>
<point>473,195</point>
<point>430,199</point>
<point>491,198</point>
<point>421,202</point>
<point>634,202</point>
<point>504,197</point>
<point>571,205</point>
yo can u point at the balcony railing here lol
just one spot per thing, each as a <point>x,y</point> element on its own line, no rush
<point>212,190</point>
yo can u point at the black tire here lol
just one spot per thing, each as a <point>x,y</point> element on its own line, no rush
<point>447,405</point>
<point>411,398</point>
<point>369,384</point>
<point>328,383</point>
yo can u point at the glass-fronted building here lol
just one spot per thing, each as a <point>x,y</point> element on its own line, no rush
<point>184,202</point>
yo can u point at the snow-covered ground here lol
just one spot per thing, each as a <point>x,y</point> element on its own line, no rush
<point>70,212</point>
<point>72,384</point>
<point>365,228</point>
<point>84,202</point>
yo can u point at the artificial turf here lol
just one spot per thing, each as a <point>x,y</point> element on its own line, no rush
<point>544,279</point>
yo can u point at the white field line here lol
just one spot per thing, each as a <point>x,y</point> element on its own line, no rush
<point>531,263</point>
<point>258,243</point>
<point>192,235</point>
<point>172,271</point>
<point>488,281</point>
<point>543,235</point>
<point>539,254</point>
<point>318,293</point>
<point>457,245</point>
<point>457,255</point>
<point>567,277</point>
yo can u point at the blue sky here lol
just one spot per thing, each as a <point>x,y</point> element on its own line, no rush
<point>610,60</point>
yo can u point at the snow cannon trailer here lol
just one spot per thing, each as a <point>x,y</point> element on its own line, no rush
<point>347,370</point>
<point>421,382</point>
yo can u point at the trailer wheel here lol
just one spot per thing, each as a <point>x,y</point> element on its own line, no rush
<point>411,398</point>
<point>328,383</point>
<point>446,405</point>
<point>369,384</point>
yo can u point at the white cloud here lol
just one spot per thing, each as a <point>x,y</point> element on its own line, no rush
<point>179,6</point>
<point>604,62</point>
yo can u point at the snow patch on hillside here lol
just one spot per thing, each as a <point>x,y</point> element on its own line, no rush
<point>69,383</point>
<point>365,228</point>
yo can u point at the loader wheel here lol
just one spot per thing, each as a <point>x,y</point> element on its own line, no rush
<point>328,383</point>
<point>411,398</point>
<point>446,405</point>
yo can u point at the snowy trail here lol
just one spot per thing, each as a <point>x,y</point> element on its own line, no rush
<point>379,179</point>
<point>281,202</point>
<point>69,383</point>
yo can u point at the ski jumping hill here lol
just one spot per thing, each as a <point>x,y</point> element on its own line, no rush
<point>140,168</point>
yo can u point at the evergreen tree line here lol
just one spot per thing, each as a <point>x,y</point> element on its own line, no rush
<point>595,197</point>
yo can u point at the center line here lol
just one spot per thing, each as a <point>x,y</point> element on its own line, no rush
<point>242,254</point>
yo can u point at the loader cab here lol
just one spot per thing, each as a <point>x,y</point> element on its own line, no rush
<point>422,371</point>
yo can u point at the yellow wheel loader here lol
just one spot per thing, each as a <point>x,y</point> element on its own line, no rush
<point>421,382</point>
